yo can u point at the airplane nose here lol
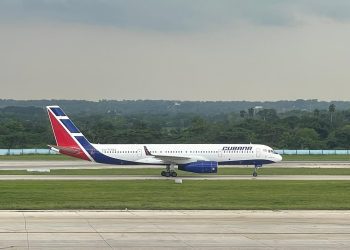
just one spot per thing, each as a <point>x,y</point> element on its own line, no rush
<point>279,158</point>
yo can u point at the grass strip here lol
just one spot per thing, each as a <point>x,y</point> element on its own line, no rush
<point>165,194</point>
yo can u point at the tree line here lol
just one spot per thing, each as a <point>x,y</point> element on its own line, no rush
<point>127,107</point>
<point>29,127</point>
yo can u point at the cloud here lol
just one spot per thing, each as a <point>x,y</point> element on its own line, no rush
<point>175,49</point>
<point>255,63</point>
<point>173,15</point>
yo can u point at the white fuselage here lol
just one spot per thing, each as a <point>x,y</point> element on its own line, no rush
<point>229,154</point>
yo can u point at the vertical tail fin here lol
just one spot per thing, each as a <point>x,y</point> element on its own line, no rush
<point>65,133</point>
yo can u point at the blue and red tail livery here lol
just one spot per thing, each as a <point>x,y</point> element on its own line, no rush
<point>197,158</point>
<point>65,131</point>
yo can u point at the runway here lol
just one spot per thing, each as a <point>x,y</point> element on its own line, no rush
<point>175,229</point>
<point>77,164</point>
<point>183,178</point>
<point>45,165</point>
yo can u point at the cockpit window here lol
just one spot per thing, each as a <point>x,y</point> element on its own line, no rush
<point>271,151</point>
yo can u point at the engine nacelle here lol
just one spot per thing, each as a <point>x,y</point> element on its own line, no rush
<point>200,167</point>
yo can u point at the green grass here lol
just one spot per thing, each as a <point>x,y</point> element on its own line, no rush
<point>165,194</point>
<point>35,157</point>
<point>222,171</point>
<point>152,171</point>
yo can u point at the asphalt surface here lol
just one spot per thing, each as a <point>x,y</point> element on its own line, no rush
<point>175,229</point>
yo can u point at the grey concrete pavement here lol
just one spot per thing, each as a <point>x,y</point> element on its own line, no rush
<point>175,229</point>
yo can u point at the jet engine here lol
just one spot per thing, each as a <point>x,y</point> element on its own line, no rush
<point>200,167</point>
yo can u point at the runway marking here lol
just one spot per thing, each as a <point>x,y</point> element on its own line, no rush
<point>95,231</point>
<point>25,228</point>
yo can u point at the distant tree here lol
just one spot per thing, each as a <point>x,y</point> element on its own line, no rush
<point>140,122</point>
<point>286,140</point>
<point>251,112</point>
<point>197,132</point>
<point>331,110</point>
<point>268,114</point>
<point>316,113</point>
<point>235,135</point>
<point>308,138</point>
<point>242,113</point>
<point>340,138</point>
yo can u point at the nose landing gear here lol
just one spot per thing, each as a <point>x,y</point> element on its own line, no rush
<point>255,173</point>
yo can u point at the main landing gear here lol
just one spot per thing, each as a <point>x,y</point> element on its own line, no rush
<point>170,171</point>
<point>255,173</point>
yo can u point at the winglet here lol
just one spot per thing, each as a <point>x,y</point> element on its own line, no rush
<point>147,151</point>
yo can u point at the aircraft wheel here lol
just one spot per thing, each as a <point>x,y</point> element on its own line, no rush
<point>163,173</point>
<point>173,174</point>
<point>255,174</point>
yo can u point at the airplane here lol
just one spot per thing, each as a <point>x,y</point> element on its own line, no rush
<point>195,158</point>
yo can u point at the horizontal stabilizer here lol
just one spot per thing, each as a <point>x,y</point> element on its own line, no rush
<point>68,150</point>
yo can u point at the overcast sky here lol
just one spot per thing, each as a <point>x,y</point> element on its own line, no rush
<point>175,49</point>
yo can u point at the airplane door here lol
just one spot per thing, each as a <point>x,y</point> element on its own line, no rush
<point>139,152</point>
<point>220,153</point>
<point>258,152</point>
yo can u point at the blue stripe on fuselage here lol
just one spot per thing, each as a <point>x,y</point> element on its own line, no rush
<point>98,156</point>
<point>246,162</point>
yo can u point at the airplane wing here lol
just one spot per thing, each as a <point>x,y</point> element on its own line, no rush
<point>170,158</point>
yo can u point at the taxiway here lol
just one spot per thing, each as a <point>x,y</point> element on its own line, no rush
<point>175,229</point>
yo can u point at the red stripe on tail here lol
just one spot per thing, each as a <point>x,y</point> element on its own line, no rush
<point>65,140</point>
